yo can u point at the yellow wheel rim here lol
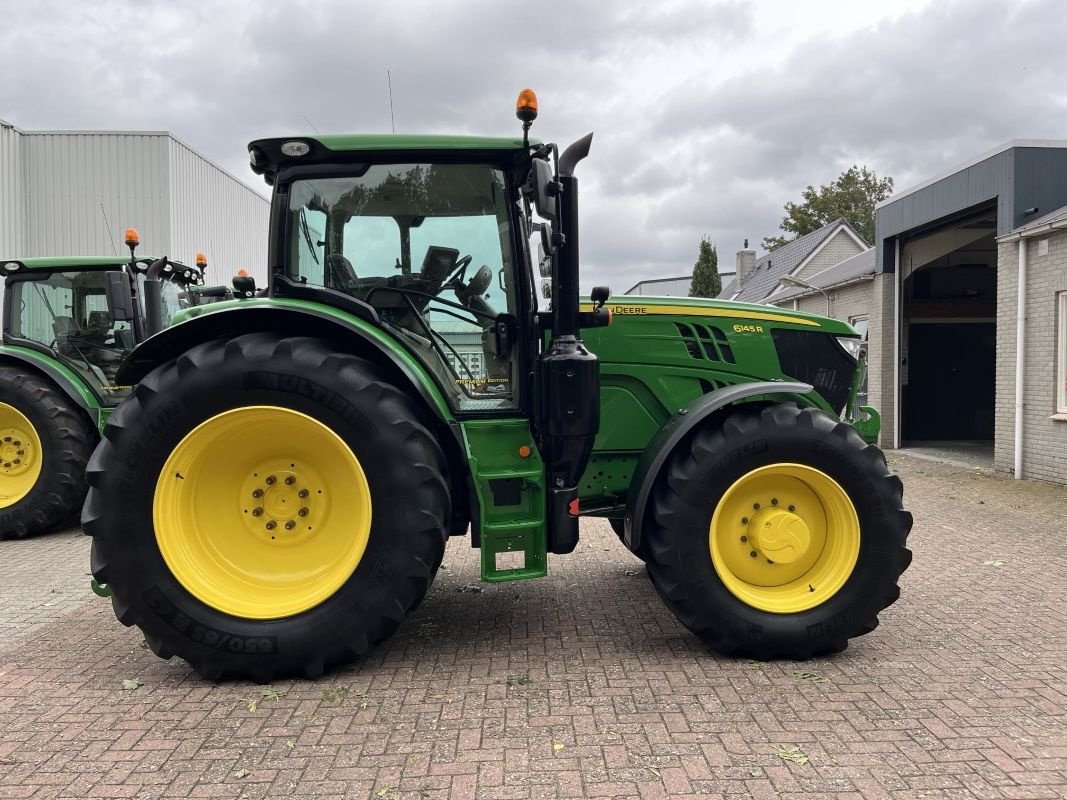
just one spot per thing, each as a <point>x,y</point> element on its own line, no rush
<point>20,455</point>
<point>784,538</point>
<point>262,512</point>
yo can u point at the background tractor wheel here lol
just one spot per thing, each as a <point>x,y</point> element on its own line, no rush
<point>45,442</point>
<point>780,534</point>
<point>266,507</point>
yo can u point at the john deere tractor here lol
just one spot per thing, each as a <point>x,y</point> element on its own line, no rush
<point>63,344</point>
<point>275,496</point>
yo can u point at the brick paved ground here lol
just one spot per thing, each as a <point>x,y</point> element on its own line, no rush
<point>578,685</point>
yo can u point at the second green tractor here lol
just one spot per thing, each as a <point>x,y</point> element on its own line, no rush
<point>275,496</point>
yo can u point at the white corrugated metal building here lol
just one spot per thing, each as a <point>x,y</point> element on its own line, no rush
<point>74,193</point>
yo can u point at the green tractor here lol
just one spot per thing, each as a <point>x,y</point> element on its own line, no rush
<point>63,344</point>
<point>275,496</point>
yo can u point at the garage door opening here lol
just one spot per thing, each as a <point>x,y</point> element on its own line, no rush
<point>948,334</point>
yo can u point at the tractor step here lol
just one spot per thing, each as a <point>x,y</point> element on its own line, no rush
<point>509,481</point>
<point>513,552</point>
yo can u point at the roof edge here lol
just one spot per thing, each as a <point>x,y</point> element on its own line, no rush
<point>996,151</point>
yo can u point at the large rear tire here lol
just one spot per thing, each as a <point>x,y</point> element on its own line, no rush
<point>779,534</point>
<point>265,507</point>
<point>45,442</point>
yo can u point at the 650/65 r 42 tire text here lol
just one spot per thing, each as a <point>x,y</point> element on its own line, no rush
<point>45,442</point>
<point>779,534</point>
<point>266,506</point>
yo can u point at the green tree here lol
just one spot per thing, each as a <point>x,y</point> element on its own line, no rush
<point>706,279</point>
<point>852,196</point>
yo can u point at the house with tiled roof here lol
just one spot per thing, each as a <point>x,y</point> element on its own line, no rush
<point>757,279</point>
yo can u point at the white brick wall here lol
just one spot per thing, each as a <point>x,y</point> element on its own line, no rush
<point>1044,439</point>
<point>840,247</point>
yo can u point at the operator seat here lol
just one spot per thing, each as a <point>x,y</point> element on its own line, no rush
<point>342,273</point>
<point>64,329</point>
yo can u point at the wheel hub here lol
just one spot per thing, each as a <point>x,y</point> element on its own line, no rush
<point>20,456</point>
<point>280,502</point>
<point>779,535</point>
<point>16,452</point>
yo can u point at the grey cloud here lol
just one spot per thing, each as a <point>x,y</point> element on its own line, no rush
<point>679,152</point>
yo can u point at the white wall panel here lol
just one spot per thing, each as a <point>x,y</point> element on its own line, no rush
<point>213,212</point>
<point>12,192</point>
<point>85,189</point>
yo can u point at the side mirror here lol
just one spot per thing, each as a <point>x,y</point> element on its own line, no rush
<point>119,296</point>
<point>600,295</point>
<point>545,189</point>
<point>244,285</point>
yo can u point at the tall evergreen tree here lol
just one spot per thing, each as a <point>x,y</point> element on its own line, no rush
<point>706,279</point>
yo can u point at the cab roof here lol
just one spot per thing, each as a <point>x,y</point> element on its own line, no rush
<point>85,263</point>
<point>266,156</point>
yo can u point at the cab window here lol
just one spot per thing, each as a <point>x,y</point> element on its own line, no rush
<point>430,247</point>
<point>67,313</point>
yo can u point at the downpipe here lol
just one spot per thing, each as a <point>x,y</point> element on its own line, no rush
<point>1020,360</point>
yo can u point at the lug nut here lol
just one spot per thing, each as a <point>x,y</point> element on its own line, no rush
<point>290,525</point>
<point>290,480</point>
<point>755,506</point>
<point>753,554</point>
<point>792,508</point>
<point>303,512</point>
<point>18,461</point>
<point>774,501</point>
<point>257,511</point>
<point>303,493</point>
<point>744,538</point>
<point>20,452</point>
<point>271,525</point>
<point>7,438</point>
<point>769,561</point>
<point>257,492</point>
<point>744,520</point>
<point>271,480</point>
<point>17,443</point>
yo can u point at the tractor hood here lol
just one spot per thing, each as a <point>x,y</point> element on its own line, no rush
<point>629,306</point>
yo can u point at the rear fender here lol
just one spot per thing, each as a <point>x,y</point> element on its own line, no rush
<point>292,318</point>
<point>676,429</point>
<point>65,380</point>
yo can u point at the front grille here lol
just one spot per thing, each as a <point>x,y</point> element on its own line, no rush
<point>816,358</point>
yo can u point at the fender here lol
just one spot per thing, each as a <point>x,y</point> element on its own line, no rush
<point>674,431</point>
<point>291,316</point>
<point>64,379</point>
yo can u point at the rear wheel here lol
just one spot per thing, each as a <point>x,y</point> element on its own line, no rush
<point>45,442</point>
<point>266,507</point>
<point>779,534</point>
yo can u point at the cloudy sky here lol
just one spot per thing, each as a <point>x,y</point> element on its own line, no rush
<point>709,114</point>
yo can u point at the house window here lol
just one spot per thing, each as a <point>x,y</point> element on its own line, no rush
<point>1061,353</point>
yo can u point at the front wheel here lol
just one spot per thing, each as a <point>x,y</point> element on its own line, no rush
<point>780,533</point>
<point>266,507</point>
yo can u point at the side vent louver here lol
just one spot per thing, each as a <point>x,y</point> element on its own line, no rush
<point>706,342</point>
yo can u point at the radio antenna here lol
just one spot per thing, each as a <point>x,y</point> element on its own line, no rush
<point>389,78</point>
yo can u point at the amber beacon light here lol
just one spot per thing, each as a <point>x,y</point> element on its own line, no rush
<point>526,106</point>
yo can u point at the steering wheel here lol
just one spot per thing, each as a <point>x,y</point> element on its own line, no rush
<point>458,273</point>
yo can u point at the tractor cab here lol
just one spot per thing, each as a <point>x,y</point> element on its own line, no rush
<point>429,246</point>
<point>64,310</point>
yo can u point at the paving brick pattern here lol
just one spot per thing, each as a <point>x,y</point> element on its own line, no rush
<point>577,685</point>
